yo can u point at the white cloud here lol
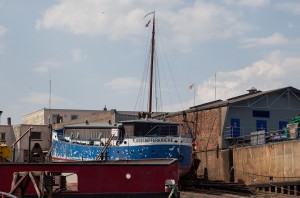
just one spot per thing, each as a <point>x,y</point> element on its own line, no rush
<point>275,71</point>
<point>41,98</point>
<point>249,3</point>
<point>123,84</point>
<point>3,30</point>
<point>291,25</point>
<point>187,23</point>
<point>274,39</point>
<point>77,55</point>
<point>47,65</point>
<point>95,17</point>
<point>202,22</point>
<point>290,7</point>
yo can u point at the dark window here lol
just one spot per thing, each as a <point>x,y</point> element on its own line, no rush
<point>261,114</point>
<point>74,117</point>
<point>26,156</point>
<point>282,125</point>
<point>2,137</point>
<point>35,135</point>
<point>55,118</point>
<point>151,129</point>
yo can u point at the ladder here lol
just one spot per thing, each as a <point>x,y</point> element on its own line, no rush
<point>105,146</point>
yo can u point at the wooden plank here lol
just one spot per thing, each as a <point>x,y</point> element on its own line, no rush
<point>15,177</point>
<point>42,174</point>
<point>12,190</point>
<point>35,184</point>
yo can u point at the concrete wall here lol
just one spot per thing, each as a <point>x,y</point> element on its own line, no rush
<point>41,117</point>
<point>37,117</point>
<point>278,162</point>
<point>217,163</point>
<point>100,117</point>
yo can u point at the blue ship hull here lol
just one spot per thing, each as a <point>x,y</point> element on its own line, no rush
<point>66,151</point>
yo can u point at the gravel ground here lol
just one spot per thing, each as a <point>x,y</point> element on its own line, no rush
<point>199,193</point>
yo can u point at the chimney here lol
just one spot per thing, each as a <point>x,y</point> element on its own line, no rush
<point>0,116</point>
<point>251,90</point>
<point>9,121</point>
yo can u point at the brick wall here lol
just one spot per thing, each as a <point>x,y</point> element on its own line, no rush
<point>206,125</point>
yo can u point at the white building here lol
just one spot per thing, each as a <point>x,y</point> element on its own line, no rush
<point>26,136</point>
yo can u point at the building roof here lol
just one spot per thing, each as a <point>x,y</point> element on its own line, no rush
<point>258,93</point>
<point>236,99</point>
<point>90,126</point>
<point>59,110</point>
<point>154,121</point>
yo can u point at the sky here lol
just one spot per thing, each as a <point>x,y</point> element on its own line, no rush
<point>88,54</point>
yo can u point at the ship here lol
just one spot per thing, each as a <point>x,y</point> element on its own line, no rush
<point>129,140</point>
<point>143,138</point>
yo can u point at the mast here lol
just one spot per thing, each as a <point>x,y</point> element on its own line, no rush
<point>151,66</point>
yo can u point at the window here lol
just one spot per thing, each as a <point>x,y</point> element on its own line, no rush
<point>26,156</point>
<point>74,117</point>
<point>261,125</point>
<point>282,125</point>
<point>235,125</point>
<point>2,137</point>
<point>66,180</point>
<point>261,114</point>
<point>35,135</point>
<point>54,118</point>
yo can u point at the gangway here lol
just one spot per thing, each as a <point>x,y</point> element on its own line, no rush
<point>105,146</point>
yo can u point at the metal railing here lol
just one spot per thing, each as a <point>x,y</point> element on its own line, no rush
<point>250,135</point>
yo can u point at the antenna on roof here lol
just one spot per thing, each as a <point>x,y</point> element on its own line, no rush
<point>48,157</point>
<point>0,116</point>
<point>49,118</point>
<point>216,86</point>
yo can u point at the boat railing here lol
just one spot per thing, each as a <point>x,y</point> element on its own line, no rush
<point>99,141</point>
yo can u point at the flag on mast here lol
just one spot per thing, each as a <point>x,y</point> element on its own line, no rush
<point>148,23</point>
<point>191,87</point>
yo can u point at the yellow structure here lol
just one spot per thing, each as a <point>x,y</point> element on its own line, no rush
<point>4,151</point>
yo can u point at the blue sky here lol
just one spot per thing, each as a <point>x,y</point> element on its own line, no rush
<point>94,51</point>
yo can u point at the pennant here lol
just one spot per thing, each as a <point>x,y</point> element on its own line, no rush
<point>148,23</point>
